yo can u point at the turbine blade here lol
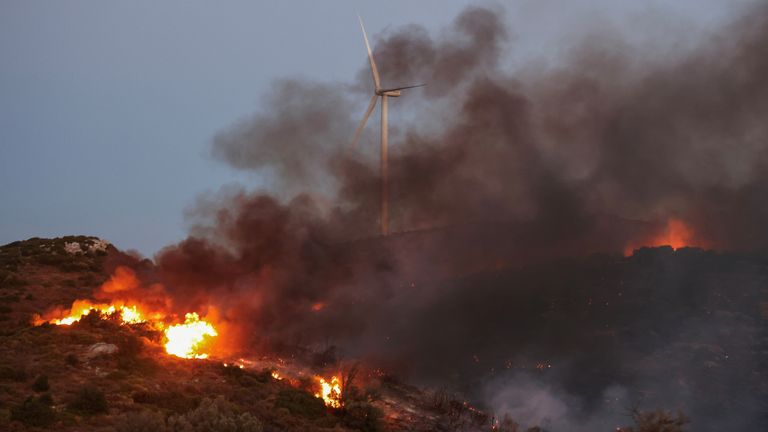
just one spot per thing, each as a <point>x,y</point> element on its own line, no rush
<point>374,71</point>
<point>368,112</point>
<point>404,88</point>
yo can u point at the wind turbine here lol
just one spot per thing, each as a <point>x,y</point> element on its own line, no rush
<point>383,94</point>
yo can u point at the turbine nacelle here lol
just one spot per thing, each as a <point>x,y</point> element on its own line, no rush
<point>397,91</point>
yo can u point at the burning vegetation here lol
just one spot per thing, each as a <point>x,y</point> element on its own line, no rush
<point>187,338</point>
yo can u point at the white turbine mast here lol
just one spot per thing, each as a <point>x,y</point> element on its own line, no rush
<point>383,94</point>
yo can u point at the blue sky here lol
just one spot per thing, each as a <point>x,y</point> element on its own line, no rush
<point>107,109</point>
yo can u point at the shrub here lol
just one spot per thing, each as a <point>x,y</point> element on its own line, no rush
<point>170,400</point>
<point>10,298</point>
<point>300,403</point>
<point>46,398</point>
<point>363,416</point>
<point>89,400</point>
<point>14,281</point>
<point>214,415</point>
<point>144,421</point>
<point>246,378</point>
<point>71,359</point>
<point>9,373</point>
<point>33,412</point>
<point>41,384</point>
<point>657,421</point>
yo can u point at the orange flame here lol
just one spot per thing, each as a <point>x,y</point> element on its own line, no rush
<point>186,340</point>
<point>81,308</point>
<point>330,392</point>
<point>677,234</point>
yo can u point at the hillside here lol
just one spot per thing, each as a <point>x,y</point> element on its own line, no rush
<point>674,329</point>
<point>68,377</point>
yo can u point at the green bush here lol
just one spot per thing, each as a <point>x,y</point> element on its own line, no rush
<point>10,298</point>
<point>214,415</point>
<point>41,384</point>
<point>657,421</point>
<point>71,359</point>
<point>144,421</point>
<point>14,281</point>
<point>89,400</point>
<point>300,403</point>
<point>9,373</point>
<point>246,378</point>
<point>363,416</point>
<point>46,398</point>
<point>170,400</point>
<point>33,412</point>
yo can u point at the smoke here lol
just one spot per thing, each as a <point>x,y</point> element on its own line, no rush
<point>537,403</point>
<point>499,182</point>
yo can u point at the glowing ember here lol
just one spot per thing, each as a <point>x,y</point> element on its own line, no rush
<point>330,392</point>
<point>276,375</point>
<point>186,340</point>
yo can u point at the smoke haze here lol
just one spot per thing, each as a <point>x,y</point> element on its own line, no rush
<point>501,186</point>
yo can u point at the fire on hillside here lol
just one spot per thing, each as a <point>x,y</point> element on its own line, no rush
<point>676,233</point>
<point>191,338</point>
<point>187,339</point>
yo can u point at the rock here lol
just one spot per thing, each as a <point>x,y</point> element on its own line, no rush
<point>73,248</point>
<point>101,349</point>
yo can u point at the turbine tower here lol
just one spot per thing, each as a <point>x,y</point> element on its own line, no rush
<point>383,94</point>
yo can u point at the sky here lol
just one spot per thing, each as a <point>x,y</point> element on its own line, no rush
<point>108,109</point>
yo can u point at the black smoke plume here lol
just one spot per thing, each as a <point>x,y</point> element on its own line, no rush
<point>504,186</point>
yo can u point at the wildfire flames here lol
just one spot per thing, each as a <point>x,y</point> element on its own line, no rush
<point>81,308</point>
<point>330,392</point>
<point>676,234</point>
<point>185,340</point>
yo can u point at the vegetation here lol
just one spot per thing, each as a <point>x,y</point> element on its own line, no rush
<point>89,400</point>
<point>363,417</point>
<point>171,400</point>
<point>149,421</point>
<point>11,373</point>
<point>657,421</point>
<point>71,359</point>
<point>34,412</point>
<point>300,403</point>
<point>41,384</point>
<point>214,415</point>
